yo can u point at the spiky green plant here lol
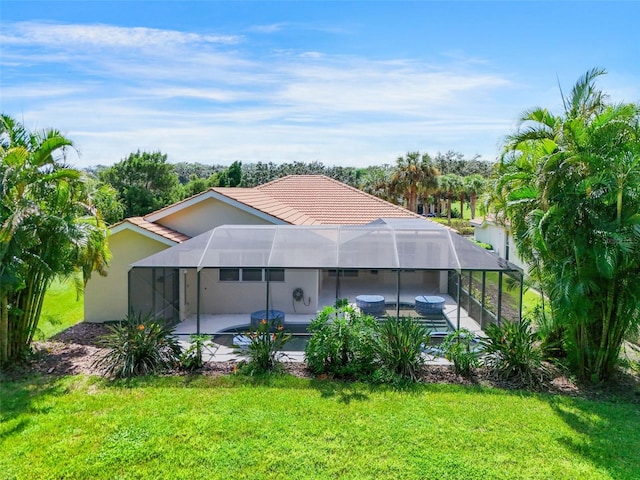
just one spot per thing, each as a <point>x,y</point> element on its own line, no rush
<point>399,345</point>
<point>266,342</point>
<point>138,346</point>
<point>512,350</point>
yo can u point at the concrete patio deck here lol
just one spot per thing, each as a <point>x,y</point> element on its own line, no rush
<point>211,324</point>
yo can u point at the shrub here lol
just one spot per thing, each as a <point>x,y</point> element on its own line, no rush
<point>191,358</point>
<point>398,346</point>
<point>513,352</point>
<point>551,334</point>
<point>138,346</point>
<point>266,340</point>
<point>458,348</point>
<point>486,246</point>
<point>341,343</point>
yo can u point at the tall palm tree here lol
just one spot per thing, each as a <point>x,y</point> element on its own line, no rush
<point>47,228</point>
<point>414,175</point>
<point>571,189</point>
<point>475,184</point>
<point>449,186</point>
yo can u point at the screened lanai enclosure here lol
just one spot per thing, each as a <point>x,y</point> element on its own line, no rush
<point>235,275</point>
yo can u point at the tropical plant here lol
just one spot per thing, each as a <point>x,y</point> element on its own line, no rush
<point>138,346</point>
<point>569,184</point>
<point>48,228</point>
<point>192,357</point>
<point>474,184</point>
<point>342,342</point>
<point>266,341</point>
<point>414,175</point>
<point>399,345</point>
<point>376,180</point>
<point>460,347</point>
<point>449,186</point>
<point>512,351</point>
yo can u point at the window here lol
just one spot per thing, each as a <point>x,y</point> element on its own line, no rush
<point>229,274</point>
<point>275,274</point>
<point>251,274</point>
<point>347,272</point>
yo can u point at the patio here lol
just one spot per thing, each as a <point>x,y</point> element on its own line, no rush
<point>217,280</point>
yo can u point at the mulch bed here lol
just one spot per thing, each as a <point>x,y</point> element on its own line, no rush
<point>73,352</point>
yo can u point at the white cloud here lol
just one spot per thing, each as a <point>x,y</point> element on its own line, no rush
<point>65,35</point>
<point>271,28</point>
<point>211,99</point>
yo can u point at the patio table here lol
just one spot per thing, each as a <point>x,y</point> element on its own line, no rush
<point>429,305</point>
<point>276,316</point>
<point>371,304</point>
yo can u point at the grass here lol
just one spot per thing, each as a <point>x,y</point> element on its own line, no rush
<point>61,309</point>
<point>238,427</point>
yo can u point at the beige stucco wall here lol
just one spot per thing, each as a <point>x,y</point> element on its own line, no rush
<point>208,214</point>
<point>246,297</point>
<point>106,298</point>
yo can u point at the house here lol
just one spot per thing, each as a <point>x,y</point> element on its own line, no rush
<point>488,230</point>
<point>292,200</point>
<point>389,267</point>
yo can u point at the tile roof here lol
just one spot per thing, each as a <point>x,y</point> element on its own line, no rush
<point>294,199</point>
<point>317,199</point>
<point>158,229</point>
<point>262,201</point>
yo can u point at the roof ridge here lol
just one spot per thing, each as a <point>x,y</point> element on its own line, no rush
<point>291,175</point>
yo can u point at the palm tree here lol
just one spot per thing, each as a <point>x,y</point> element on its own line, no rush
<point>475,184</point>
<point>449,186</point>
<point>47,228</point>
<point>376,180</point>
<point>414,175</point>
<point>570,186</point>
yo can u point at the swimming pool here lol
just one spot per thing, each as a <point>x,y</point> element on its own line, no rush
<point>437,325</point>
<point>233,337</point>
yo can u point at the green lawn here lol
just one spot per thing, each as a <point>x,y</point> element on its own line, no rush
<point>233,427</point>
<point>61,309</point>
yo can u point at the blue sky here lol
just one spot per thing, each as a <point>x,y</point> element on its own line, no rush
<point>343,83</point>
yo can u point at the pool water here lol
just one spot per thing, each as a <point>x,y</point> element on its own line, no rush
<point>300,334</point>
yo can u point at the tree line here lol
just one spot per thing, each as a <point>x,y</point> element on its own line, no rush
<point>146,181</point>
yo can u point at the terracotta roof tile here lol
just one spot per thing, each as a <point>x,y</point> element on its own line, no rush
<point>327,201</point>
<point>266,203</point>
<point>158,229</point>
<point>303,200</point>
